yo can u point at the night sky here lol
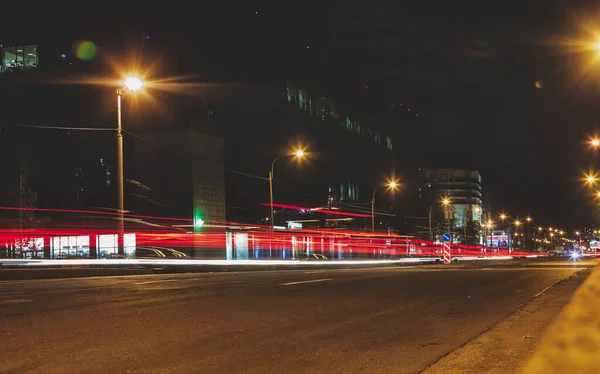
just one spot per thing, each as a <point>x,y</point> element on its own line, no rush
<point>468,68</point>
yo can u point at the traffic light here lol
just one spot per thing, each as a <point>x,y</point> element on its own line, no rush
<point>198,222</point>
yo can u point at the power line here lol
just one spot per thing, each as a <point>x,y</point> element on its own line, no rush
<point>68,128</point>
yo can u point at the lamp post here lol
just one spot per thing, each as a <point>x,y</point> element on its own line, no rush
<point>517,224</point>
<point>489,226</point>
<point>131,84</point>
<point>446,204</point>
<point>298,154</point>
<point>392,185</point>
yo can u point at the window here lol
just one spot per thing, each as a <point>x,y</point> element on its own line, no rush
<point>19,57</point>
<point>350,191</point>
<point>389,143</point>
<point>377,138</point>
<point>304,101</point>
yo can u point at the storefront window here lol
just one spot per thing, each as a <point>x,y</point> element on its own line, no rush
<point>107,246</point>
<point>129,245</point>
<point>70,246</point>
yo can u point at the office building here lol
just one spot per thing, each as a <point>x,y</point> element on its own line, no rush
<point>454,201</point>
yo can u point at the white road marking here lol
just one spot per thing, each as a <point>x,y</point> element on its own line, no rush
<point>308,281</point>
<point>159,281</point>
<point>15,301</point>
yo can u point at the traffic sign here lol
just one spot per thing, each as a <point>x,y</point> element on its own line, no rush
<point>446,237</point>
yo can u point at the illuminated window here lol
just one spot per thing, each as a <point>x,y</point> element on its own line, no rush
<point>377,138</point>
<point>19,57</point>
<point>107,246</point>
<point>304,101</point>
<point>389,143</point>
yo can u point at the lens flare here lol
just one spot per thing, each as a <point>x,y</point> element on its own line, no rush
<point>84,50</point>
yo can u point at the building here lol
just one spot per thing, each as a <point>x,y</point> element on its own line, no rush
<point>347,157</point>
<point>454,202</point>
<point>58,138</point>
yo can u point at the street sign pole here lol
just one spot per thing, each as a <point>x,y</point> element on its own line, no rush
<point>446,248</point>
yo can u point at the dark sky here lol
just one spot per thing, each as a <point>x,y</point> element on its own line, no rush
<point>468,68</point>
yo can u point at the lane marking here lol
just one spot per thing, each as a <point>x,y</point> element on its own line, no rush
<point>308,281</point>
<point>159,281</point>
<point>15,301</point>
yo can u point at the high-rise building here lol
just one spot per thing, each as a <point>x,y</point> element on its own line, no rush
<point>454,200</point>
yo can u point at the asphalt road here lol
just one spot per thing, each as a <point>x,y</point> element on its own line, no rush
<point>388,320</point>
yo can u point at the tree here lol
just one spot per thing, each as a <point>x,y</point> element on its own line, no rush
<point>441,222</point>
<point>27,198</point>
<point>470,233</point>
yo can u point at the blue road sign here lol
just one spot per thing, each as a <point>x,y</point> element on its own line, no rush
<point>446,237</point>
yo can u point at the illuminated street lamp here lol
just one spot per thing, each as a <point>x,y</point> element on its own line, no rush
<point>489,225</point>
<point>298,154</point>
<point>446,204</point>
<point>595,142</point>
<point>590,179</point>
<point>517,223</point>
<point>391,185</point>
<point>130,84</point>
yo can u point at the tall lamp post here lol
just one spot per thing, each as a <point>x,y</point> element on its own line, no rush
<point>446,204</point>
<point>528,219</point>
<point>391,185</point>
<point>517,224</point>
<point>489,226</point>
<point>130,84</point>
<point>297,154</point>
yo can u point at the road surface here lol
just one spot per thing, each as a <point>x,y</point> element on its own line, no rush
<point>367,320</point>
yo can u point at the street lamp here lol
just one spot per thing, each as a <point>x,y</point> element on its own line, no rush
<point>131,83</point>
<point>446,204</point>
<point>391,185</point>
<point>298,154</point>
<point>590,179</point>
<point>517,224</point>
<point>595,142</point>
<point>489,226</point>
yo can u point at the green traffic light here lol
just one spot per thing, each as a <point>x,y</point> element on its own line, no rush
<point>199,222</point>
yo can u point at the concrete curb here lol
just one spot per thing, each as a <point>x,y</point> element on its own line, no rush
<point>571,344</point>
